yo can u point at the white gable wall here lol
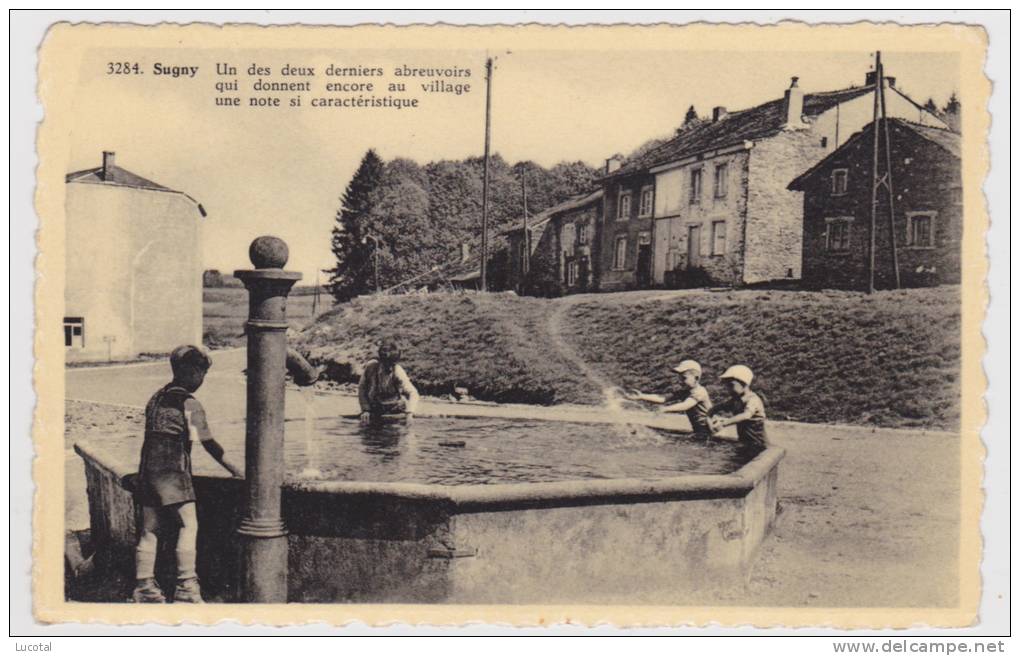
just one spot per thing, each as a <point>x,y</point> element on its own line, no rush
<point>133,270</point>
<point>854,114</point>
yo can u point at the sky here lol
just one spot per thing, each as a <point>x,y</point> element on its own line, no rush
<point>282,171</point>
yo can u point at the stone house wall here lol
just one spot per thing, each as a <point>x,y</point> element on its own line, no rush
<point>926,178</point>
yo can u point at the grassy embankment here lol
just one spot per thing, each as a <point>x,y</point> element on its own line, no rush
<point>891,359</point>
<point>225,310</point>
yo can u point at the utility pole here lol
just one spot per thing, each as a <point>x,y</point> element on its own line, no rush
<point>889,186</point>
<point>485,166</point>
<point>315,296</point>
<point>375,257</point>
<point>880,122</point>
<point>874,175</point>
<point>526,261</point>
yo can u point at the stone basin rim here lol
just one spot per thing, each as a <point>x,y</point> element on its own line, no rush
<point>511,495</point>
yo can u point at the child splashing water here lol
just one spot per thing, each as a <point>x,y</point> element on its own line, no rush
<point>173,419</point>
<point>693,400</point>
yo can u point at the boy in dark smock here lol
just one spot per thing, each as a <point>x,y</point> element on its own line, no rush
<point>173,418</point>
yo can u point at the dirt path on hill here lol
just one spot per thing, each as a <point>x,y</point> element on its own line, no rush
<point>554,326</point>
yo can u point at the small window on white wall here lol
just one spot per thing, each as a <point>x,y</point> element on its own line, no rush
<point>74,332</point>
<point>721,180</point>
<point>718,237</point>
<point>695,188</point>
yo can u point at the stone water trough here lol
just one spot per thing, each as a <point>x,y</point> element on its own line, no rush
<point>621,539</point>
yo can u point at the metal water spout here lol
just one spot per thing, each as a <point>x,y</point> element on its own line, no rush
<point>262,531</point>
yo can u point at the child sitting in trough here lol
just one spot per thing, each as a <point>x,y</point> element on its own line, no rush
<point>383,386</point>
<point>693,399</point>
<point>746,408</point>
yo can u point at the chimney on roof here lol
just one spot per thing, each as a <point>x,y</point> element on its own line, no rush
<point>718,114</point>
<point>109,157</point>
<point>869,79</point>
<point>614,163</point>
<point>465,252</point>
<point>793,105</point>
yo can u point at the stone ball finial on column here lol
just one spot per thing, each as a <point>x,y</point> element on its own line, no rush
<point>268,252</point>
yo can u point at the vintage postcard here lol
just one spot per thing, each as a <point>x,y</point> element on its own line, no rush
<point>641,325</point>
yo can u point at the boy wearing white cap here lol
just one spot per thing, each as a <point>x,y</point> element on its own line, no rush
<point>746,408</point>
<point>694,400</point>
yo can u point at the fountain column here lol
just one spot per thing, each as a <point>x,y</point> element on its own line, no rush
<point>262,531</point>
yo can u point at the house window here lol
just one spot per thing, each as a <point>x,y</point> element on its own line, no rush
<point>721,176</point>
<point>572,273</point>
<point>567,238</point>
<point>920,229</point>
<point>620,253</point>
<point>647,198</point>
<point>582,234</point>
<point>623,210</point>
<point>837,235</point>
<point>695,186</point>
<point>718,237</point>
<point>74,332</point>
<point>839,182</point>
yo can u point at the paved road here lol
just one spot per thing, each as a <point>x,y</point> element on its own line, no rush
<point>223,393</point>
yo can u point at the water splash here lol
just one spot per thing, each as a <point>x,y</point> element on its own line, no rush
<point>311,469</point>
<point>612,401</point>
<point>631,433</point>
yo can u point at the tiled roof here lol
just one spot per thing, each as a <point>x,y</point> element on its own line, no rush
<point>571,203</point>
<point>746,125</point>
<point>946,139</point>
<point>115,176</point>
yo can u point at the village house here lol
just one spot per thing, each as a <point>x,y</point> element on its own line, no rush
<point>927,209</point>
<point>562,248</point>
<point>133,278</point>
<point>711,205</point>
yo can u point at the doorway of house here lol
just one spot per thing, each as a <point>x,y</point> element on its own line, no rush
<point>584,274</point>
<point>693,246</point>
<point>644,266</point>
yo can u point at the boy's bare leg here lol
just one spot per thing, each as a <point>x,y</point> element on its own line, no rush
<point>187,578</point>
<point>146,590</point>
<point>145,553</point>
<point>187,539</point>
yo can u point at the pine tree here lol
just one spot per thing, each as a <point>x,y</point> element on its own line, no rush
<point>951,113</point>
<point>930,106</point>
<point>691,117</point>
<point>353,273</point>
